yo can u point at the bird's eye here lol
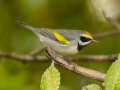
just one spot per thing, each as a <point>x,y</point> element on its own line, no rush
<point>84,39</point>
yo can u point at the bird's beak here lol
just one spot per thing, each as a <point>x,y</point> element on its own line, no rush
<point>95,41</point>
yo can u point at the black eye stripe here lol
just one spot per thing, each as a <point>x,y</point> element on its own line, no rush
<point>84,39</point>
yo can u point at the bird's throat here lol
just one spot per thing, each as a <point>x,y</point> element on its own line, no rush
<point>79,47</point>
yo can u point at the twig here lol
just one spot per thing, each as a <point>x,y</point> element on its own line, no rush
<point>106,34</point>
<point>23,57</point>
<point>115,24</point>
<point>69,58</point>
<point>113,21</point>
<point>74,67</point>
<point>112,57</point>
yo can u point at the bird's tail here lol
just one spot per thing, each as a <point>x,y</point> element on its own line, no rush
<point>25,25</point>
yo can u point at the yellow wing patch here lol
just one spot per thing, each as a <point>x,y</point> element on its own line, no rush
<point>60,38</point>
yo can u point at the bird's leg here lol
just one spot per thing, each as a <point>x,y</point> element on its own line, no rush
<point>56,53</point>
<point>47,53</point>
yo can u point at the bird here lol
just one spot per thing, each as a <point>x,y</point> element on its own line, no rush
<point>63,41</point>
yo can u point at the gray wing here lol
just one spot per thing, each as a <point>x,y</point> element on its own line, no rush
<point>68,34</point>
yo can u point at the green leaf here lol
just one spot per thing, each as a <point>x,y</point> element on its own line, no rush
<point>92,87</point>
<point>50,79</point>
<point>112,81</point>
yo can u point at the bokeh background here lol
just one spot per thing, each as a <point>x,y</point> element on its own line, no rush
<point>67,14</point>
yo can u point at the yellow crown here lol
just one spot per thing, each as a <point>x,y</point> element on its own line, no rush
<point>87,34</point>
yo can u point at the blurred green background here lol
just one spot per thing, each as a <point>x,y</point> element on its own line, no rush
<point>67,14</point>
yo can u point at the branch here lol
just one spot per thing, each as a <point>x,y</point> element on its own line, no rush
<point>23,57</point>
<point>115,24</point>
<point>106,34</point>
<point>74,67</point>
<point>113,21</point>
<point>69,58</point>
<point>112,57</point>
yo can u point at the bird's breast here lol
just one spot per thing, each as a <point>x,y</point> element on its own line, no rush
<point>66,50</point>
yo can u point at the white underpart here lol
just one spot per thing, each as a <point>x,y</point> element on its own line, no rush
<point>62,49</point>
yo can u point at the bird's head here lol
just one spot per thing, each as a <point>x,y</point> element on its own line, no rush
<point>84,39</point>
